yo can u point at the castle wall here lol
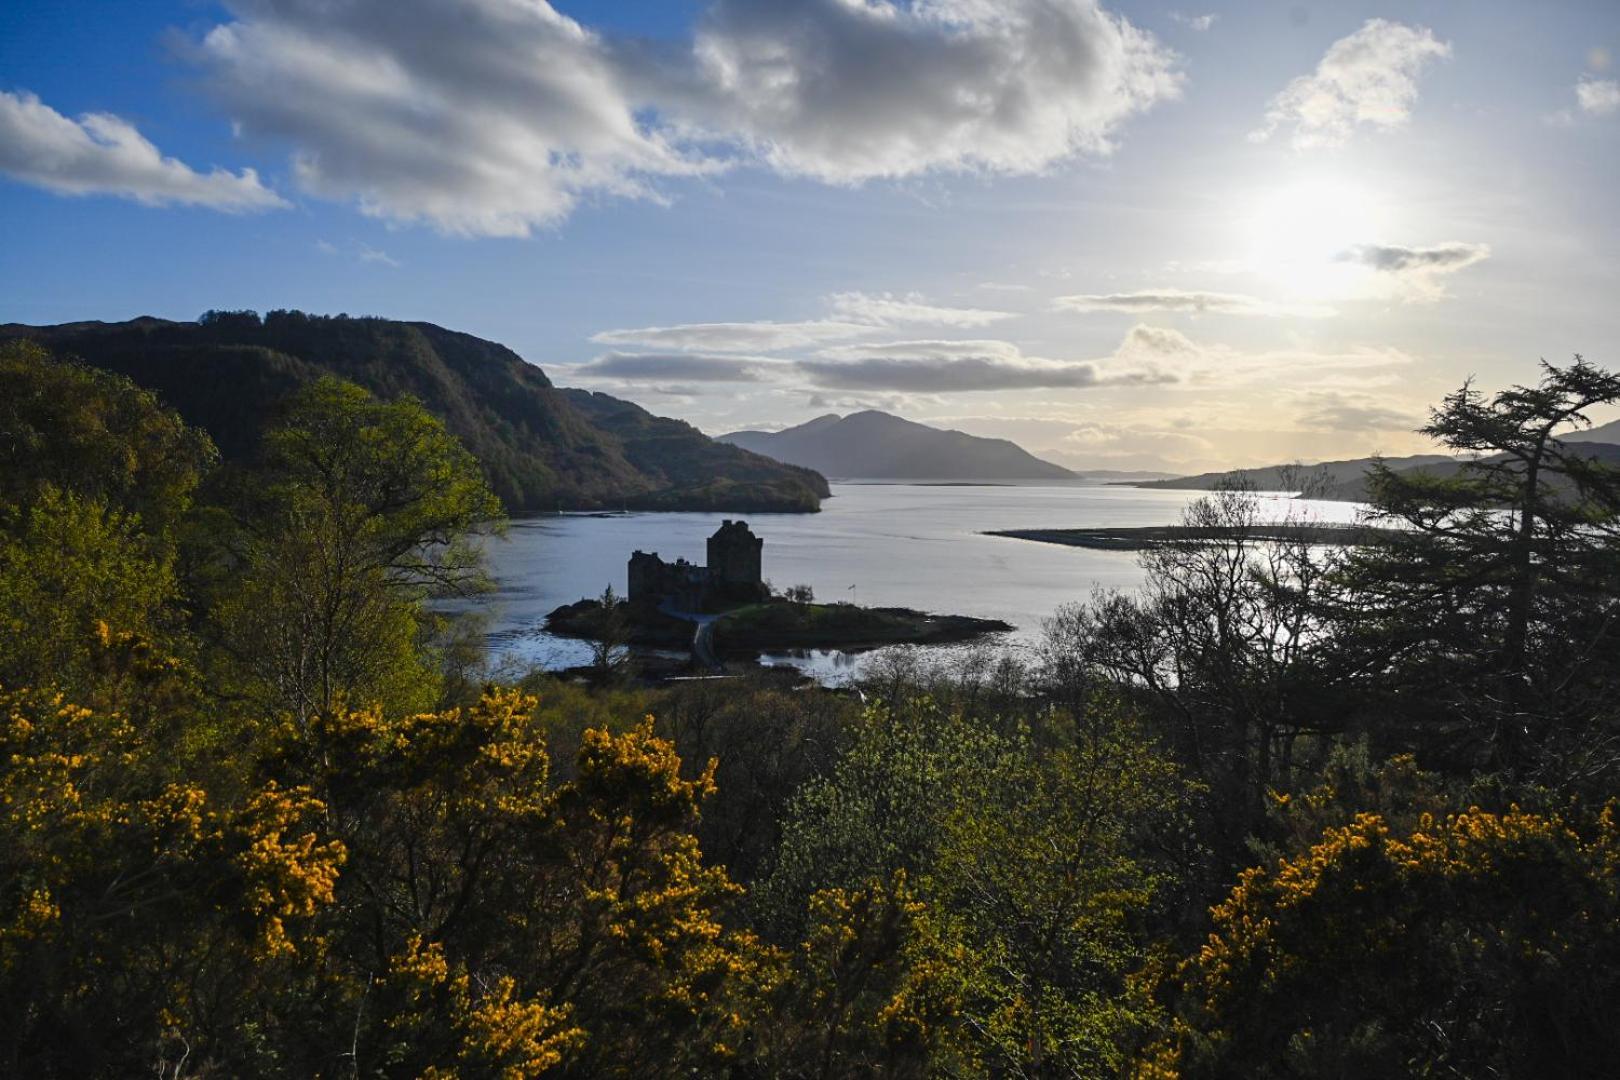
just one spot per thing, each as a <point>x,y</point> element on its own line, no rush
<point>733,573</point>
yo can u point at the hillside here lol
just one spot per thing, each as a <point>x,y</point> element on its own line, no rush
<point>877,445</point>
<point>1602,433</point>
<point>1327,474</point>
<point>1345,481</point>
<point>1355,489</point>
<point>542,447</point>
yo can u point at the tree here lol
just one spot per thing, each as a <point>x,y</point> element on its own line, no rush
<point>356,511</point>
<point>1475,944</point>
<point>799,594</point>
<point>69,428</point>
<point>989,891</point>
<point>1226,644</point>
<point>1039,900</point>
<point>610,640</point>
<point>69,564</point>
<point>881,810</point>
<point>147,919</point>
<point>522,921</point>
<point>1497,594</point>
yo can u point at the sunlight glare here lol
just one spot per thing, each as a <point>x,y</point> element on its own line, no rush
<point>1297,235</point>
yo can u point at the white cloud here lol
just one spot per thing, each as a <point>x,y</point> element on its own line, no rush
<point>925,349</point>
<point>887,309</point>
<point>966,366</point>
<point>1147,355</point>
<point>100,154</point>
<point>1332,410</point>
<point>1156,341</point>
<point>1598,97</point>
<point>964,374</point>
<point>1199,23</point>
<point>852,90</point>
<point>1418,272</point>
<point>853,314</point>
<point>495,117</point>
<point>369,254</point>
<point>889,403</point>
<point>1183,300</point>
<point>762,336</point>
<point>688,366</point>
<point>359,251</point>
<point>1209,363</point>
<point>1367,78</point>
<point>485,117</point>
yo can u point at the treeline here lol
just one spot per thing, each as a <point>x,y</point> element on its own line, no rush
<point>1281,813</point>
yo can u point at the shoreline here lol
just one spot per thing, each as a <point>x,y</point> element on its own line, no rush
<point>750,631</point>
<point>1142,538</point>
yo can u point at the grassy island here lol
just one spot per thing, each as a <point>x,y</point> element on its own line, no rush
<point>749,629</point>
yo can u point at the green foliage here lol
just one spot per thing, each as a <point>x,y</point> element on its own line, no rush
<point>69,428</point>
<point>1039,896</point>
<point>257,841</point>
<point>355,512</point>
<point>767,742</point>
<point>69,564</point>
<point>1031,875</point>
<point>1477,944</point>
<point>884,807</point>
<point>144,917</point>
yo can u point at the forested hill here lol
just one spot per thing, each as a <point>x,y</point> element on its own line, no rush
<point>1346,481</point>
<point>1344,477</point>
<point>540,446</point>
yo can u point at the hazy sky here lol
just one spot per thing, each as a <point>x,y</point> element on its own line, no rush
<point>1125,234</point>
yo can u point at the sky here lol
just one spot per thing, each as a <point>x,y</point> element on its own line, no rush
<point>1126,235</point>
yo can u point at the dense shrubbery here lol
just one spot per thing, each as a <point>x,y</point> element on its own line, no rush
<point>1281,813</point>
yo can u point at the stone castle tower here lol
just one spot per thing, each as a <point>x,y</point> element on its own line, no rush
<point>733,573</point>
<point>735,561</point>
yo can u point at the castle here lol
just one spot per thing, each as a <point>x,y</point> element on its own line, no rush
<point>733,573</point>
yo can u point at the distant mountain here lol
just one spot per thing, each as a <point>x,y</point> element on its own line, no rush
<point>1355,489</point>
<point>541,447</point>
<point>1346,481</point>
<point>877,445</point>
<point>1328,474</point>
<point>1603,433</point>
<point>1122,476</point>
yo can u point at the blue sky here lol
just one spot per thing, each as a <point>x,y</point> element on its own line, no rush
<point>1128,234</point>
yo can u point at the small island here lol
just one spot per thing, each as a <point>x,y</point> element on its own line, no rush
<point>725,610</point>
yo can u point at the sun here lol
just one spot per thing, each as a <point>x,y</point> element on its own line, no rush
<point>1298,234</point>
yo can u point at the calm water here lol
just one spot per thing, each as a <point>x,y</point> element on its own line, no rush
<point>906,545</point>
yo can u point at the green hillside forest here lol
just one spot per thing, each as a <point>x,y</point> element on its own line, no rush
<point>541,448</point>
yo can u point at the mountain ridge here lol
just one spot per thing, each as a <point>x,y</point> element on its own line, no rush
<point>542,447</point>
<point>877,445</point>
<point>1346,480</point>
